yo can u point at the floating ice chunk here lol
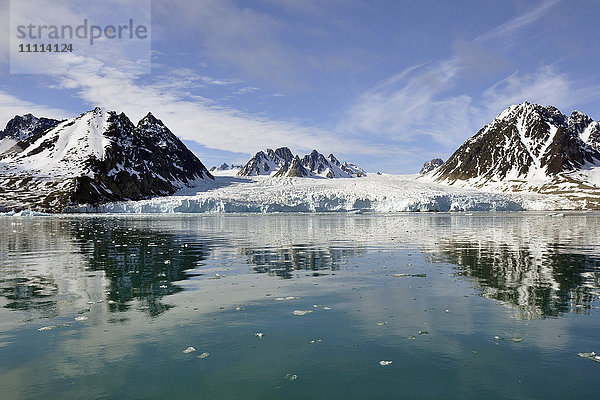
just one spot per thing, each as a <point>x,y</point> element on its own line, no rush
<point>238,308</point>
<point>259,335</point>
<point>591,356</point>
<point>167,262</point>
<point>203,355</point>
<point>299,313</point>
<point>287,298</point>
<point>315,341</point>
<point>47,328</point>
<point>81,318</point>
<point>498,337</point>
<point>90,302</point>
<point>290,377</point>
<point>383,363</point>
<point>411,337</point>
<point>423,333</point>
<point>447,311</point>
<point>189,350</point>
<point>516,339</point>
<point>381,323</point>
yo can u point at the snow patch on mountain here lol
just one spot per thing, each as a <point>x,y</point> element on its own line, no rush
<point>528,147</point>
<point>282,163</point>
<point>99,156</point>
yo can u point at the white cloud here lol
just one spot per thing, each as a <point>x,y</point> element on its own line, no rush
<point>544,86</point>
<point>509,28</point>
<point>199,119</point>
<point>412,104</point>
<point>426,101</point>
<point>11,106</point>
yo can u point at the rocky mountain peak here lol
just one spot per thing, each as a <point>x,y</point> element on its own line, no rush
<point>295,169</point>
<point>525,142</point>
<point>21,127</point>
<point>431,165</point>
<point>282,160</point>
<point>97,157</point>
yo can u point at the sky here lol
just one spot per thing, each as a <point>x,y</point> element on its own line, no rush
<point>384,84</point>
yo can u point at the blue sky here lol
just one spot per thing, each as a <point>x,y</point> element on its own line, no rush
<point>385,84</point>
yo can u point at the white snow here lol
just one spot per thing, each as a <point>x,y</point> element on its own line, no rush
<point>6,144</point>
<point>74,141</point>
<point>374,193</point>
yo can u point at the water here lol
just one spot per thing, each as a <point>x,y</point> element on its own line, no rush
<point>464,306</point>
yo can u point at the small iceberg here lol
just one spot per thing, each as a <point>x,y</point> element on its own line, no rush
<point>189,350</point>
<point>203,355</point>
<point>383,363</point>
<point>290,377</point>
<point>590,356</point>
<point>299,313</point>
<point>259,335</point>
<point>81,318</point>
<point>46,328</point>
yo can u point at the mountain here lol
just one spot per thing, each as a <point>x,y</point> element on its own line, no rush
<point>22,127</point>
<point>266,162</point>
<point>295,169</point>
<point>225,167</point>
<point>97,157</point>
<point>529,147</point>
<point>330,167</point>
<point>431,165</point>
<point>282,162</point>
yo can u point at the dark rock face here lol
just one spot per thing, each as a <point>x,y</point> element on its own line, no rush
<point>316,162</point>
<point>24,126</point>
<point>431,165</point>
<point>97,157</point>
<point>142,161</point>
<point>293,170</point>
<point>265,162</point>
<point>524,141</point>
<point>587,129</point>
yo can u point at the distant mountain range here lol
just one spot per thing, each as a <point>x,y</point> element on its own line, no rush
<point>101,157</point>
<point>529,147</point>
<point>97,157</point>
<point>225,167</point>
<point>282,163</point>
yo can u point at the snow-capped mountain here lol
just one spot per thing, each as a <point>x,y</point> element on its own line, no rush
<point>97,157</point>
<point>225,167</point>
<point>295,169</point>
<point>431,165</point>
<point>529,147</point>
<point>282,163</point>
<point>22,127</point>
<point>267,162</point>
<point>330,167</point>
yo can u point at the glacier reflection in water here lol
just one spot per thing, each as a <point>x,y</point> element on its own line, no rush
<point>461,303</point>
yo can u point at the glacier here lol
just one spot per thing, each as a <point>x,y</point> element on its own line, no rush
<point>374,193</point>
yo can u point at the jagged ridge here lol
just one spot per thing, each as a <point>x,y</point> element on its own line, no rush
<point>97,157</point>
<point>282,163</point>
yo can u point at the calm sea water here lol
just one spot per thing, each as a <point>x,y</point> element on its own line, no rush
<point>453,306</point>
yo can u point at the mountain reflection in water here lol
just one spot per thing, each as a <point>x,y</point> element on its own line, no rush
<point>528,262</point>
